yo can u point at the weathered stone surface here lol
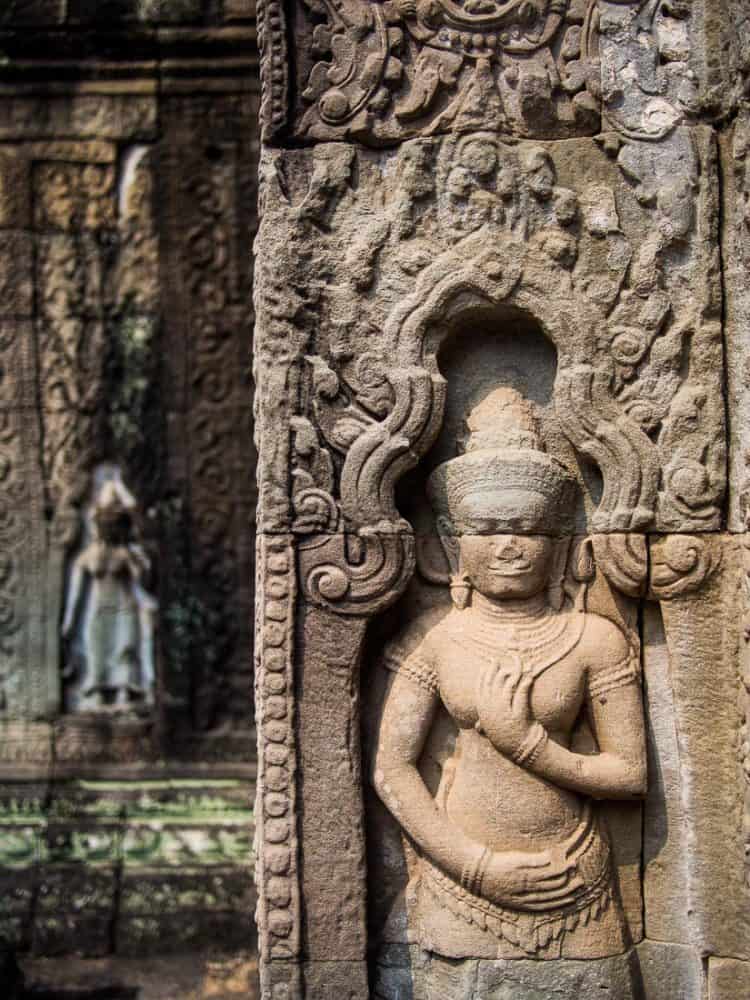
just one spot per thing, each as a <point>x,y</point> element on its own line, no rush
<point>665,847</point>
<point>439,210</point>
<point>325,979</point>
<point>96,866</point>
<point>486,355</point>
<point>83,117</point>
<point>728,979</point>
<point>736,237</point>
<point>191,976</point>
<point>703,630</point>
<point>669,970</point>
<point>127,208</point>
<point>147,935</point>
<point>239,10</point>
<point>545,70</point>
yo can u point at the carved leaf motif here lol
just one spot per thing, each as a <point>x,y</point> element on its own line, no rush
<point>345,432</point>
<point>623,558</point>
<point>325,380</point>
<point>434,68</point>
<point>373,390</point>
<point>312,481</point>
<point>681,564</point>
<point>476,51</point>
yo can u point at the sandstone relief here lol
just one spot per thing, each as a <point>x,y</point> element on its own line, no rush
<point>501,694</point>
<point>110,617</point>
<point>384,71</point>
<point>512,665</point>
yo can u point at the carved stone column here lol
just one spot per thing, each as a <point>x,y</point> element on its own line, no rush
<point>493,227</point>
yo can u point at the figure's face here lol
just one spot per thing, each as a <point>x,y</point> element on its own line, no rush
<point>507,567</point>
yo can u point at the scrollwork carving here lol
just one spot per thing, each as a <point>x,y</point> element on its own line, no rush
<point>623,558</point>
<point>682,564</point>
<point>312,476</point>
<point>357,574</point>
<point>388,70</point>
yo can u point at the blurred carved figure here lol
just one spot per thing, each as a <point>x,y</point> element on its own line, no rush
<point>109,615</point>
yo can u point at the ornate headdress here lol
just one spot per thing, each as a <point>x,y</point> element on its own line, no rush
<point>504,481</point>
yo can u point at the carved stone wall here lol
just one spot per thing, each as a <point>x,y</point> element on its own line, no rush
<point>128,166</point>
<point>502,263</point>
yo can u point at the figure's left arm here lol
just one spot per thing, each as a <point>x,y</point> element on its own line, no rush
<point>615,705</point>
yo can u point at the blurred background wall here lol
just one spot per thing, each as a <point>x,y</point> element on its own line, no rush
<point>128,167</point>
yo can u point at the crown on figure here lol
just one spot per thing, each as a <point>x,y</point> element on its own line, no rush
<point>504,482</point>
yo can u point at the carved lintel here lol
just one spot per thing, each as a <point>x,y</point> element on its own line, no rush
<point>682,564</point>
<point>387,71</point>
<point>357,575</point>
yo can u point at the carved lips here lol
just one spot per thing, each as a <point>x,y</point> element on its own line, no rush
<point>510,567</point>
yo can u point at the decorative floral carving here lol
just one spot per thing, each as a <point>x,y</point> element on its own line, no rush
<point>388,261</point>
<point>312,475</point>
<point>392,69</point>
<point>681,564</point>
<point>217,413</point>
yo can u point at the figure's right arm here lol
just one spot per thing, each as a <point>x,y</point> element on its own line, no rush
<point>74,594</point>
<point>405,723</point>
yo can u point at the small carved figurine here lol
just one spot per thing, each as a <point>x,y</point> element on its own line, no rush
<point>546,700</point>
<point>115,627</point>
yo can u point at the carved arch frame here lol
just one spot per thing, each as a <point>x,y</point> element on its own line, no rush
<point>333,584</point>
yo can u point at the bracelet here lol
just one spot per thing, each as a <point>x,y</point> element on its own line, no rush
<point>531,748</point>
<point>473,874</point>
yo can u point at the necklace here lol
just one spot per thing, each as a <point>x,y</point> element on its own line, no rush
<point>537,636</point>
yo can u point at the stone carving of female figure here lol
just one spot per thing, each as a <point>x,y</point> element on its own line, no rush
<point>107,582</point>
<point>513,860</point>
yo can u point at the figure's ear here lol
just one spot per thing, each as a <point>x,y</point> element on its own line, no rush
<point>437,555</point>
<point>582,565</point>
<point>449,541</point>
<point>557,589</point>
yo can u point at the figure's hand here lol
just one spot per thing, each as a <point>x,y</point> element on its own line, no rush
<point>504,706</point>
<point>531,881</point>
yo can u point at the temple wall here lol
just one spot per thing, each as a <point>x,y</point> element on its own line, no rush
<point>502,261</point>
<point>128,162</point>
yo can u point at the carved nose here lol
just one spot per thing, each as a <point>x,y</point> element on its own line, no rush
<point>506,548</point>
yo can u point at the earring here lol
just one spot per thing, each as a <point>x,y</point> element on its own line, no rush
<point>557,593</point>
<point>460,590</point>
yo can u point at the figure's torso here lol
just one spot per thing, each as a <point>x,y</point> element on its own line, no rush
<point>492,799</point>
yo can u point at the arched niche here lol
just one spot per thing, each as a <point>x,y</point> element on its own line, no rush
<point>481,347</point>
